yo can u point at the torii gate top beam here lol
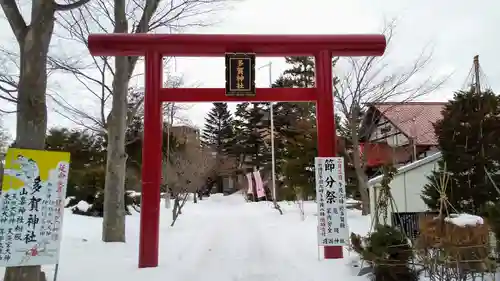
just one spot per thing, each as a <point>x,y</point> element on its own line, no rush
<point>211,45</point>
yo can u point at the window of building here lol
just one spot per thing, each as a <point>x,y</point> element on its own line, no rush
<point>385,130</point>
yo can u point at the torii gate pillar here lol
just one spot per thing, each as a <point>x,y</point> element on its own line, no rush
<point>155,46</point>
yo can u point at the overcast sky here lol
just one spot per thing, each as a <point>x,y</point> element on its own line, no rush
<point>455,30</point>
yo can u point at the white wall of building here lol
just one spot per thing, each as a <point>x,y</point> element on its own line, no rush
<point>406,187</point>
<point>387,132</point>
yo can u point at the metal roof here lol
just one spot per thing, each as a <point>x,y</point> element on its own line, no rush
<point>431,158</point>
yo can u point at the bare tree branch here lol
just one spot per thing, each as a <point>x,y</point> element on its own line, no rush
<point>143,16</point>
<point>7,111</point>
<point>369,80</point>
<point>15,18</point>
<point>9,75</point>
<point>71,6</point>
<point>5,140</point>
<point>186,169</point>
<point>8,99</point>
<point>70,112</point>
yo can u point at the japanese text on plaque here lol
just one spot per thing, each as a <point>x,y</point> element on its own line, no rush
<point>330,196</point>
<point>32,206</point>
<point>240,74</point>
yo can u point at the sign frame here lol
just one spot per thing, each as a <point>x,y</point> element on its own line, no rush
<point>248,68</point>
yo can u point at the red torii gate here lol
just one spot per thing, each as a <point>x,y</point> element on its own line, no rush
<point>155,46</point>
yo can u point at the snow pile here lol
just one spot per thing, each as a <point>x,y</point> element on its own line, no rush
<point>82,206</point>
<point>132,193</point>
<point>68,200</point>
<point>352,201</point>
<point>464,220</point>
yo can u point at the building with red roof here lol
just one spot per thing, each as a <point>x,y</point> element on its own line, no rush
<point>399,133</point>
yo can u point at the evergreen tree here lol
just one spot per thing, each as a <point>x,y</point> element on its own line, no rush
<point>241,133</point>
<point>88,160</point>
<point>298,158</point>
<point>302,72</point>
<point>283,82</point>
<point>88,163</point>
<point>252,127</point>
<point>219,135</point>
<point>296,129</point>
<point>468,138</point>
<point>218,131</point>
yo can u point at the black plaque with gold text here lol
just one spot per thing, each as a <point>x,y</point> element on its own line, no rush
<point>240,74</point>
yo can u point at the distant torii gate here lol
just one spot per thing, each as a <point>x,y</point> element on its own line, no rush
<point>155,46</point>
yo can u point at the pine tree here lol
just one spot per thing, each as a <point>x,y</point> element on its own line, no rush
<point>218,131</point>
<point>252,127</point>
<point>219,135</point>
<point>300,75</point>
<point>241,133</point>
<point>295,125</point>
<point>296,128</point>
<point>302,71</point>
<point>88,159</point>
<point>468,138</point>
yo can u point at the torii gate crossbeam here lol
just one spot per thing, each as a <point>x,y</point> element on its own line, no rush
<point>155,46</point>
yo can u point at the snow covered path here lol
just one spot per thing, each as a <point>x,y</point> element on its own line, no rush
<point>219,239</point>
<point>242,244</point>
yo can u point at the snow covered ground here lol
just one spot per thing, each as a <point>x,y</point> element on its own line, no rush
<point>218,239</point>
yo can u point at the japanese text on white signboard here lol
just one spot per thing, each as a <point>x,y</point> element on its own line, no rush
<point>330,196</point>
<point>32,206</point>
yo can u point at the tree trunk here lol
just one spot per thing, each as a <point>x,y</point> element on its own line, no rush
<point>358,164</point>
<point>113,229</point>
<point>166,196</point>
<point>184,200</point>
<point>178,206</point>
<point>363,190</point>
<point>175,212</point>
<point>360,174</point>
<point>220,184</point>
<point>31,107</point>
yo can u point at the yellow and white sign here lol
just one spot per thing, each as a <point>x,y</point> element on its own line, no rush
<point>32,206</point>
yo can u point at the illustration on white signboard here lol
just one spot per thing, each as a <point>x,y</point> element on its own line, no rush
<point>32,206</point>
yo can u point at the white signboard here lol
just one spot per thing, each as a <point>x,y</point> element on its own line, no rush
<point>331,197</point>
<point>32,206</point>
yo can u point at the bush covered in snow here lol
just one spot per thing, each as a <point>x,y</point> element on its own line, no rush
<point>94,206</point>
<point>389,253</point>
<point>70,201</point>
<point>82,208</point>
